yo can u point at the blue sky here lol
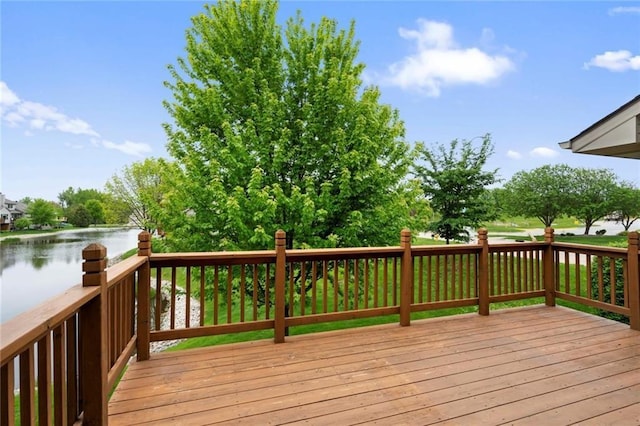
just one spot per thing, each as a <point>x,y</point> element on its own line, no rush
<point>82,82</point>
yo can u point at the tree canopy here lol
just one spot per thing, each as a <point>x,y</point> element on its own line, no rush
<point>454,182</point>
<point>626,204</point>
<point>274,129</point>
<point>591,195</point>
<point>542,193</point>
<point>137,192</point>
<point>42,212</point>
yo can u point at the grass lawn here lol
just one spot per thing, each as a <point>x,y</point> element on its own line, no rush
<point>519,224</point>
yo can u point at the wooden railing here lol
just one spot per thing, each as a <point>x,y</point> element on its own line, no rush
<point>67,354</point>
<point>80,342</point>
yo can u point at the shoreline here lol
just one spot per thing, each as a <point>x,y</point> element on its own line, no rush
<point>62,231</point>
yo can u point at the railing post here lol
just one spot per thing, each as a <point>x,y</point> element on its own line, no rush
<point>548,269</point>
<point>634,280</point>
<point>483,272</point>
<point>144,282</point>
<point>94,338</point>
<point>406,278</point>
<point>281,259</point>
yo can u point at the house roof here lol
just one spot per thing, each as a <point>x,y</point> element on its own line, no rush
<point>616,135</point>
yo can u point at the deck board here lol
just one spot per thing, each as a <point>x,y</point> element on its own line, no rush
<point>533,365</point>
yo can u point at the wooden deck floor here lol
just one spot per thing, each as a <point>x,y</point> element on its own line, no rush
<point>537,366</point>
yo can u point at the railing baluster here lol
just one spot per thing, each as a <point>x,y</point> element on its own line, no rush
<point>7,402</point>
<point>216,292</point>
<point>44,380</point>
<point>255,292</point>
<point>187,310</point>
<point>27,386</point>
<point>72,384</point>
<point>243,289</point>
<point>202,294</point>
<point>325,286</point>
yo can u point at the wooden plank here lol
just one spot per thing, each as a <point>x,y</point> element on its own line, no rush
<point>27,387</point>
<point>585,409</point>
<point>44,380</point>
<point>7,396</point>
<point>622,416</point>
<point>438,369</point>
<point>26,328</point>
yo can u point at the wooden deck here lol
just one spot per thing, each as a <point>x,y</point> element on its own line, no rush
<point>535,366</point>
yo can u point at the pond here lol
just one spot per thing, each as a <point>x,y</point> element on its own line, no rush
<point>35,269</point>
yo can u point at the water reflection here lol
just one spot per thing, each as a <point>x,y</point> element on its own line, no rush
<point>35,269</point>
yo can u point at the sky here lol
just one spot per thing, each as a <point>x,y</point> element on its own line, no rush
<point>81,83</point>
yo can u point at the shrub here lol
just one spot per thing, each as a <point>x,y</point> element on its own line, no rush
<point>606,285</point>
<point>22,223</point>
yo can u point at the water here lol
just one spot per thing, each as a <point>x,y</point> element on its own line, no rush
<point>36,269</point>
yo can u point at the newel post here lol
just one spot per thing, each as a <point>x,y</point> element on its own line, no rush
<point>406,278</point>
<point>281,259</point>
<point>94,365</point>
<point>483,272</point>
<point>144,282</point>
<point>548,274</point>
<point>634,280</point>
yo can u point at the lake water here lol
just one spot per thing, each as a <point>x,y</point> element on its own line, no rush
<point>38,268</point>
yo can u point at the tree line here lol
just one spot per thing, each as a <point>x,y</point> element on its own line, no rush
<point>273,128</point>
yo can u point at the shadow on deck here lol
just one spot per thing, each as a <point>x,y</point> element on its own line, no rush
<point>535,365</point>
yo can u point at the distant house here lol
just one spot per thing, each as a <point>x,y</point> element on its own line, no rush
<point>10,211</point>
<point>616,135</point>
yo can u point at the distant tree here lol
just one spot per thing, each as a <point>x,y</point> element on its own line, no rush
<point>626,204</point>
<point>41,212</point>
<point>139,190</point>
<point>454,182</point>
<point>542,193</point>
<point>96,211</point>
<point>71,197</point>
<point>273,129</point>
<point>115,210</point>
<point>26,200</point>
<point>22,223</point>
<point>591,195</point>
<point>78,215</point>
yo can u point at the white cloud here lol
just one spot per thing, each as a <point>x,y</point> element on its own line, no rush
<point>128,147</point>
<point>7,97</point>
<point>39,116</point>
<point>624,9</point>
<point>440,62</point>
<point>618,61</point>
<point>543,152</point>
<point>514,155</point>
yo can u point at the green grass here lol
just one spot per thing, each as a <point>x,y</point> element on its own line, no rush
<point>7,234</point>
<point>592,240</point>
<point>520,224</point>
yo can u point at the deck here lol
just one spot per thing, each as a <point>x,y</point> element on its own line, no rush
<point>534,365</point>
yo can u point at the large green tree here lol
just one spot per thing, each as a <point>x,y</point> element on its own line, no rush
<point>71,197</point>
<point>41,212</point>
<point>96,211</point>
<point>591,195</point>
<point>454,182</point>
<point>274,129</point>
<point>136,193</point>
<point>542,193</point>
<point>626,204</point>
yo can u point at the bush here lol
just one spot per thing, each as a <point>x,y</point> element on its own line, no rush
<point>606,285</point>
<point>22,223</point>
